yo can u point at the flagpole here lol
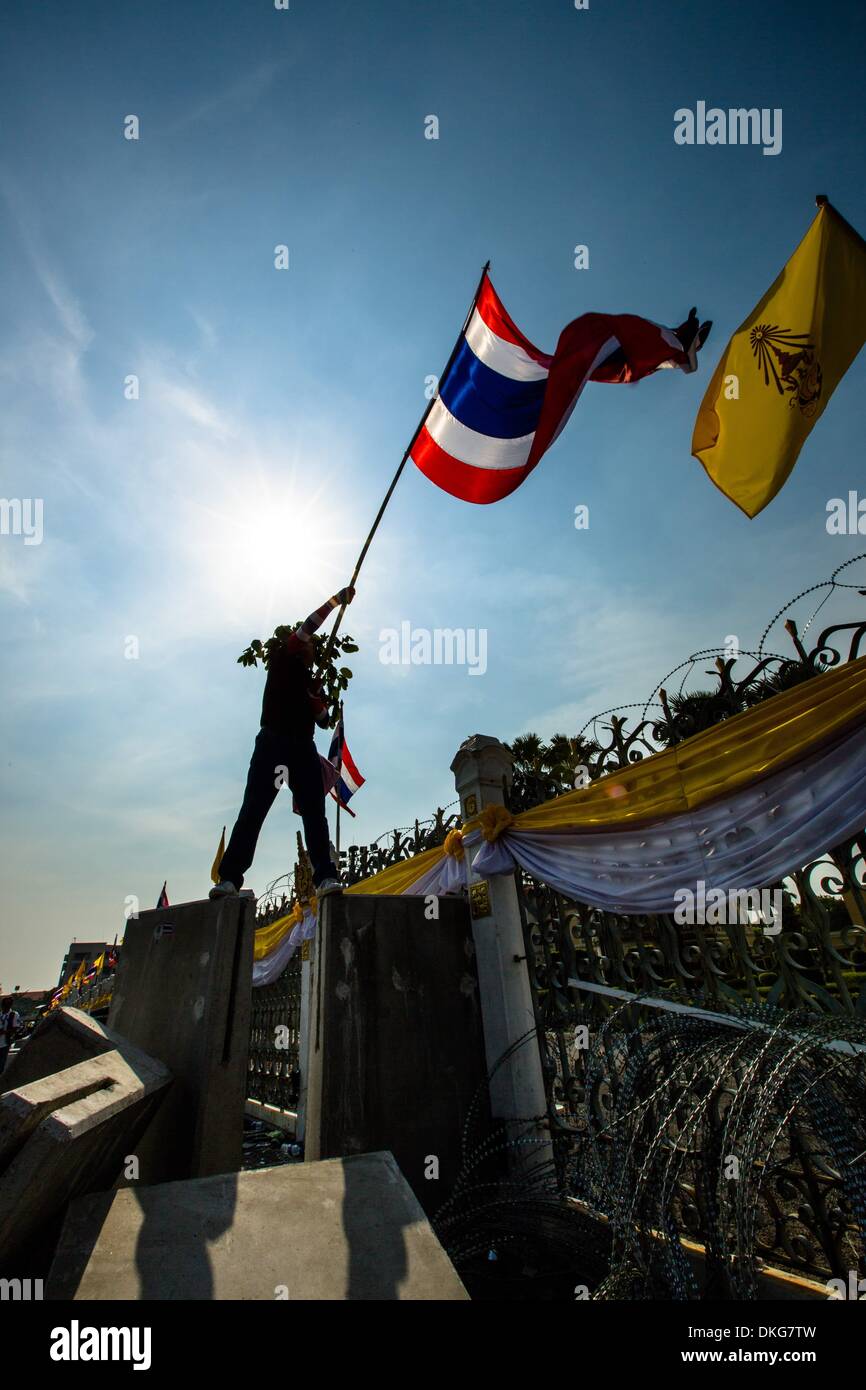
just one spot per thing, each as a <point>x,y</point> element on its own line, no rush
<point>403,462</point>
<point>339,770</point>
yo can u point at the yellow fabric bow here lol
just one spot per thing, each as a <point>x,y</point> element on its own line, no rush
<point>454,843</point>
<point>268,938</point>
<point>495,820</point>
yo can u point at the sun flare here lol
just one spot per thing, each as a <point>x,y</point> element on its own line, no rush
<point>275,552</point>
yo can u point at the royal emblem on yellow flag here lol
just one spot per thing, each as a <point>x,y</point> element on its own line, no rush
<point>783,364</point>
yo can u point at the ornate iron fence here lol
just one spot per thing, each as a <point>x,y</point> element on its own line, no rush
<point>605,986</point>
<point>362,861</point>
<point>274,1073</point>
<point>274,1054</point>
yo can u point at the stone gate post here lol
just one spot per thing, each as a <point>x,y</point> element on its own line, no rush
<point>304,1035</point>
<point>481,766</point>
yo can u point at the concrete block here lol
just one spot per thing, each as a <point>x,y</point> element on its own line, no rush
<point>183,993</point>
<point>340,1230</point>
<point>69,1134</point>
<point>64,1037</point>
<point>396,1049</point>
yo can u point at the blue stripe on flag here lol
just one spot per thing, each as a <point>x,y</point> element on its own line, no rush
<point>487,402</point>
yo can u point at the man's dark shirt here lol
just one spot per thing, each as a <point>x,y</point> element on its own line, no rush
<point>286,706</point>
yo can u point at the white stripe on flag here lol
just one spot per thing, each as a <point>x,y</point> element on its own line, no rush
<point>479,450</point>
<point>506,358</point>
<point>351,785</point>
<point>604,351</point>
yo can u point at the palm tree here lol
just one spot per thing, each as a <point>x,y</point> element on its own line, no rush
<point>542,771</point>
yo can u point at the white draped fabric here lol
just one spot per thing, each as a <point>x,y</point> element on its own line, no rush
<point>747,840</point>
<point>270,968</point>
<point>736,808</point>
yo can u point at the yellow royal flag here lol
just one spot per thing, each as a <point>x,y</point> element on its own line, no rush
<point>215,867</point>
<point>783,364</point>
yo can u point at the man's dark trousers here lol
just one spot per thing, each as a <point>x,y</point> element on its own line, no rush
<point>272,753</point>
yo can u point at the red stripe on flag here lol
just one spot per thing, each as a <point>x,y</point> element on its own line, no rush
<point>500,322</point>
<point>349,765</point>
<point>580,355</point>
<point>470,484</point>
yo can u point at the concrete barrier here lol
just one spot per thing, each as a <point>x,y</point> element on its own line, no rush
<point>342,1230</point>
<point>69,1134</point>
<point>183,994</point>
<point>396,1047</point>
<point>62,1038</point>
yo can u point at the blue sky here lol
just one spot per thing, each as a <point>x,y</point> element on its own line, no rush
<point>275,406</point>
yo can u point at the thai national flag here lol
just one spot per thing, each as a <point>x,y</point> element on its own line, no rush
<point>162,901</point>
<point>502,402</point>
<point>348,779</point>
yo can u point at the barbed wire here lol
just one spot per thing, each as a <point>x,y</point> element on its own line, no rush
<point>813,588</point>
<point>400,829</point>
<point>759,654</point>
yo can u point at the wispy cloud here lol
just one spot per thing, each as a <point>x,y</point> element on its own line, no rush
<point>240,95</point>
<point>69,311</point>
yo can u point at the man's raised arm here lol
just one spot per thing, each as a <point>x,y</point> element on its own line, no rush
<point>304,631</point>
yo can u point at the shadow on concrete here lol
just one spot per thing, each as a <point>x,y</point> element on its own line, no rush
<point>375,1267</point>
<point>165,1231</point>
<point>172,1253</point>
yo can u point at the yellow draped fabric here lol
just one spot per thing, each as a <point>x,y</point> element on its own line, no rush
<point>268,938</point>
<point>495,820</point>
<point>740,751</point>
<point>454,844</point>
<point>721,760</point>
<point>398,877</point>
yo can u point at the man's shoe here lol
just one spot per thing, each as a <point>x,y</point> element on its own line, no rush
<point>328,885</point>
<point>223,889</point>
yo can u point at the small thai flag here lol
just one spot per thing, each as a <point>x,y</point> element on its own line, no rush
<point>163,897</point>
<point>349,779</point>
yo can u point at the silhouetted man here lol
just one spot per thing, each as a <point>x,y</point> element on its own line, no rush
<point>293,703</point>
